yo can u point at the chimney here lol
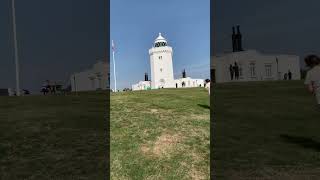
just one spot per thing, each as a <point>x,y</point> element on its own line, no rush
<point>184,73</point>
<point>239,39</point>
<point>146,77</point>
<point>234,42</point>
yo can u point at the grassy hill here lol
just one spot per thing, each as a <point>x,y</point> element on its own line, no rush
<point>53,137</point>
<point>266,130</point>
<point>160,134</point>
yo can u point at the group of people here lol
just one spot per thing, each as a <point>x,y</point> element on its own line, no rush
<point>234,71</point>
<point>287,76</point>
<point>312,80</point>
<point>48,87</point>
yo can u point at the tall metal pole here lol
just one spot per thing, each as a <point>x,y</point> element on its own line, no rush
<point>114,69</point>
<point>15,48</point>
<point>74,83</point>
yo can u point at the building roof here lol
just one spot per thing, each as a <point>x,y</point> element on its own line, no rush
<point>160,38</point>
<point>251,51</point>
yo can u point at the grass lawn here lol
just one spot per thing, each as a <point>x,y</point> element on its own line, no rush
<point>53,137</point>
<point>266,130</point>
<point>160,134</point>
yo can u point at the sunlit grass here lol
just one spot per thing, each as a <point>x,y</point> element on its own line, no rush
<point>160,134</point>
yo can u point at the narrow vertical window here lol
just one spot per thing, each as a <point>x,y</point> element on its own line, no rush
<point>252,68</point>
<point>268,70</point>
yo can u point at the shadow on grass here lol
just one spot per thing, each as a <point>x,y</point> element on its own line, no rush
<point>204,106</point>
<point>302,141</point>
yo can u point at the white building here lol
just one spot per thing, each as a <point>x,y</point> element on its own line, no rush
<point>253,65</point>
<point>142,85</point>
<point>7,92</point>
<point>92,79</point>
<point>188,82</point>
<point>162,69</point>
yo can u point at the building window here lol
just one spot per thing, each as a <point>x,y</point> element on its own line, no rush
<point>252,68</point>
<point>160,69</point>
<point>268,70</point>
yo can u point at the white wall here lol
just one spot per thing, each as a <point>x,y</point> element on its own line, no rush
<point>142,85</point>
<point>189,82</point>
<point>91,79</point>
<point>291,63</point>
<point>165,64</point>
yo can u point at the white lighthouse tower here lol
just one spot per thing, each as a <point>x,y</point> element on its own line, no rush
<point>161,64</point>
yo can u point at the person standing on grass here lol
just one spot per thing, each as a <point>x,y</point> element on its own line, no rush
<point>313,76</point>
<point>207,85</point>
<point>231,72</point>
<point>289,75</point>
<point>236,71</point>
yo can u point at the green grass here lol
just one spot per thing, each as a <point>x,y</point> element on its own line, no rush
<point>53,137</point>
<point>267,130</point>
<point>160,134</point>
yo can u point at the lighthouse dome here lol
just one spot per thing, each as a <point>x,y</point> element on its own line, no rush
<point>160,41</point>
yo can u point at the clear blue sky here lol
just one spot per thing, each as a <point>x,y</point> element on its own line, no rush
<point>135,25</point>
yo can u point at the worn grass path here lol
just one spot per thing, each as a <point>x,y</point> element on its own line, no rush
<point>160,134</point>
<point>266,130</point>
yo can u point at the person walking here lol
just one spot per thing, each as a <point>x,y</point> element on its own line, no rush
<point>231,72</point>
<point>236,70</point>
<point>312,80</point>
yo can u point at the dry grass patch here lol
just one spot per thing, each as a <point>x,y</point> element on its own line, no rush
<point>153,110</point>
<point>196,175</point>
<point>199,116</point>
<point>163,146</point>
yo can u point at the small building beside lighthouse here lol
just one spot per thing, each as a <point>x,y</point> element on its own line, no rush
<point>95,78</point>
<point>161,66</point>
<point>251,65</point>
